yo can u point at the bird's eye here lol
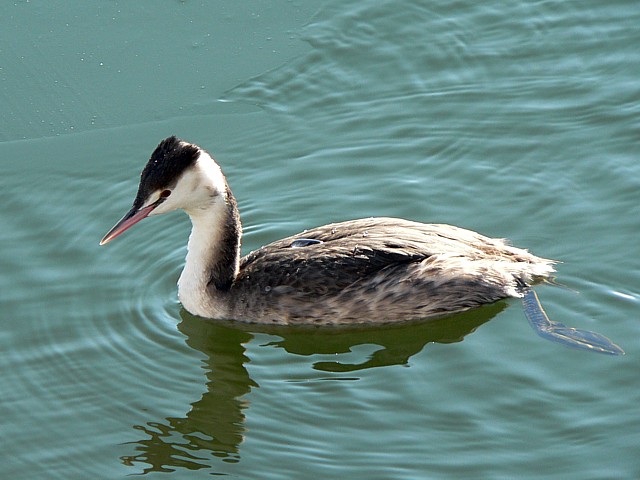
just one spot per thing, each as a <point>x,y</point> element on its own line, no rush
<point>165,193</point>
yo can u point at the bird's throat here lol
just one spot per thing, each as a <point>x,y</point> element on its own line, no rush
<point>213,255</point>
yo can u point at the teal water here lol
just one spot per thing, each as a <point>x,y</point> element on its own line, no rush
<point>515,119</point>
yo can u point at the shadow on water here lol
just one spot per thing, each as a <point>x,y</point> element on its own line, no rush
<point>214,425</point>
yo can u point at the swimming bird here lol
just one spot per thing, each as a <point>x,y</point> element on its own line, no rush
<point>371,270</point>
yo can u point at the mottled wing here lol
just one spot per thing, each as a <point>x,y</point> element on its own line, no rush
<point>357,249</point>
<point>343,256</point>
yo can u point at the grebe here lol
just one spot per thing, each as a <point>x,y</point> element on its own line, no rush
<point>373,270</point>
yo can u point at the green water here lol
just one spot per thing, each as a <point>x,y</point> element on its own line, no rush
<point>516,119</point>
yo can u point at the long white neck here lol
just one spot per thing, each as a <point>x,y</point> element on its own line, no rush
<point>213,256</point>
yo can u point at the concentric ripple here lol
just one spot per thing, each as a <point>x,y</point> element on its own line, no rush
<point>514,119</point>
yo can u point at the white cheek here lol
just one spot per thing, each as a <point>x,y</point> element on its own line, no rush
<point>196,191</point>
<point>162,208</point>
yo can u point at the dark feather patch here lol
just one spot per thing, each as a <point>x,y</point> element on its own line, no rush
<point>168,162</point>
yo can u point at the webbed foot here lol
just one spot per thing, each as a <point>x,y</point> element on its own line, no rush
<point>557,332</point>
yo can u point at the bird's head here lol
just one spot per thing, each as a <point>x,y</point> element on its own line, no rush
<point>179,175</point>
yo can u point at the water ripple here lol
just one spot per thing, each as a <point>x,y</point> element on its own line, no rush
<point>516,119</point>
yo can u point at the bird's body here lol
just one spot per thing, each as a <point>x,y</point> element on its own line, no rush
<point>371,270</point>
<point>374,270</point>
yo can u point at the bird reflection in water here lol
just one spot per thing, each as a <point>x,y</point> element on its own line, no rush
<point>213,428</point>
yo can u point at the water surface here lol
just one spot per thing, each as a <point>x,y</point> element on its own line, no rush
<point>516,119</point>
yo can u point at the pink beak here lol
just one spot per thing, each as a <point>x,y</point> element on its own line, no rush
<point>132,217</point>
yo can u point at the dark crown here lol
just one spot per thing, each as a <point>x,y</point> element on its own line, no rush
<point>168,162</point>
